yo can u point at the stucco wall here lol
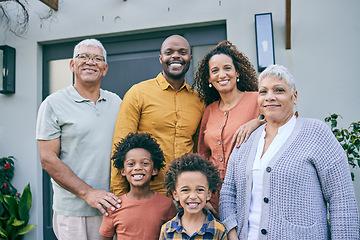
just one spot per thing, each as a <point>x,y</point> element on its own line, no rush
<point>323,59</point>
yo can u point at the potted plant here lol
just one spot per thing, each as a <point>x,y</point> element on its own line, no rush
<point>349,138</point>
<point>14,208</point>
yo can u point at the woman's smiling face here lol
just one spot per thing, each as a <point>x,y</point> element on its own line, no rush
<point>222,73</point>
<point>276,100</point>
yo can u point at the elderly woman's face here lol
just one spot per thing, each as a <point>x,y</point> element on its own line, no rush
<point>276,100</point>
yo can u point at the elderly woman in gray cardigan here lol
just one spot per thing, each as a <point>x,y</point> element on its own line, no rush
<point>287,177</point>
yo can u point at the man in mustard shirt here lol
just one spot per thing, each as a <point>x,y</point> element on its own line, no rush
<point>165,106</point>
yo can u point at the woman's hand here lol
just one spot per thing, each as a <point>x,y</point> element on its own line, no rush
<point>210,207</point>
<point>244,131</point>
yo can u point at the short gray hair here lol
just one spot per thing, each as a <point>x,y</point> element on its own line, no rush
<point>279,72</point>
<point>90,43</point>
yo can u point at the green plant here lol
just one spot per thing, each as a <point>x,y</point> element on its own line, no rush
<point>349,138</point>
<point>14,210</point>
<point>6,174</point>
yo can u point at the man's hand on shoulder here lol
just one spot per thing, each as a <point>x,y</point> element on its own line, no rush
<point>102,200</point>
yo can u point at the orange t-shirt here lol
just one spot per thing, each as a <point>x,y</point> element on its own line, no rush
<point>138,219</point>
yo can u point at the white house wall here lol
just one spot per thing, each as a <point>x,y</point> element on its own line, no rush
<point>324,58</point>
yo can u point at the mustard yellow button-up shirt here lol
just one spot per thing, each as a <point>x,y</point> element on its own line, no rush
<point>172,117</point>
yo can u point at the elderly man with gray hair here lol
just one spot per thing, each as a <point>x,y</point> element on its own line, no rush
<point>74,130</point>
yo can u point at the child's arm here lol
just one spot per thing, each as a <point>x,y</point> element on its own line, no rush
<point>105,238</point>
<point>232,235</point>
<point>107,228</point>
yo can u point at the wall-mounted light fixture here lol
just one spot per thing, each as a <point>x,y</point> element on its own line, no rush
<point>264,40</point>
<point>7,67</point>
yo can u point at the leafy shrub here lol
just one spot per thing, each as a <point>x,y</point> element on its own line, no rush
<point>14,208</point>
<point>348,138</point>
<point>6,174</point>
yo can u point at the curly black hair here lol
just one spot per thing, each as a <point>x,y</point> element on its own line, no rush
<point>246,71</point>
<point>138,140</point>
<point>192,162</point>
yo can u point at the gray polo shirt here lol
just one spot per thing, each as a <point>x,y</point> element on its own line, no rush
<point>86,131</point>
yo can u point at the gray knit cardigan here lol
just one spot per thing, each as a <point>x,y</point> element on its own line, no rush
<point>308,177</point>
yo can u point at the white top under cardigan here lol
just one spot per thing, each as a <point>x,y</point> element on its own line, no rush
<point>259,167</point>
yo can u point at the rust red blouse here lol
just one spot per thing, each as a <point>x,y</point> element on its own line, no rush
<point>218,127</point>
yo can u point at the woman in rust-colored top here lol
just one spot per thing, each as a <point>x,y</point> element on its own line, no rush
<point>226,81</point>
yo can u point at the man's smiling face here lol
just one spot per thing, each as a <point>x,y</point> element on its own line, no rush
<point>88,71</point>
<point>175,57</point>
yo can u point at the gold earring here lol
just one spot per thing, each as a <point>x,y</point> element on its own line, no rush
<point>296,112</point>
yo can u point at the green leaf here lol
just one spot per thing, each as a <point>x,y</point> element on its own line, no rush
<point>335,131</point>
<point>10,229</point>
<point>9,174</point>
<point>25,204</point>
<point>26,229</point>
<point>333,123</point>
<point>17,223</point>
<point>11,205</point>
<point>350,149</point>
<point>2,209</point>
<point>357,144</point>
<point>351,163</point>
<point>3,233</point>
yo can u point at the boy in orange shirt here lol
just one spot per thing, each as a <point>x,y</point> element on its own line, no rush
<point>138,157</point>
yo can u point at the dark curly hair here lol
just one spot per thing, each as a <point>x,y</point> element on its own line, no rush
<point>246,71</point>
<point>192,162</point>
<point>138,140</point>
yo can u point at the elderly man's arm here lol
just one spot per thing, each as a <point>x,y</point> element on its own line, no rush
<point>66,178</point>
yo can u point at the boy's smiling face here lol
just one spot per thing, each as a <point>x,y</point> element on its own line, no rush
<point>192,191</point>
<point>138,168</point>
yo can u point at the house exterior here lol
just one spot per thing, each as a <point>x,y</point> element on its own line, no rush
<point>324,59</point>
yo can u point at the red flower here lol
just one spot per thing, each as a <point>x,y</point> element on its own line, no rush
<point>18,194</point>
<point>6,166</point>
<point>5,185</point>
